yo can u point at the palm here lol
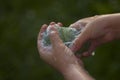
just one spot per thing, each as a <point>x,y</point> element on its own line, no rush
<point>57,55</point>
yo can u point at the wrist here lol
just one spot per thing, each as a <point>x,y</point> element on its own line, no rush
<point>76,72</point>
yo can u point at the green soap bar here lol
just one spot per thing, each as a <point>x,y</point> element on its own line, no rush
<point>67,35</point>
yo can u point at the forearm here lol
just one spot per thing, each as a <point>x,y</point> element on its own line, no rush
<point>75,72</point>
<point>113,21</point>
<point>115,25</point>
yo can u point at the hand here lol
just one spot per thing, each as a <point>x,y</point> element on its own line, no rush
<point>98,30</point>
<point>60,56</point>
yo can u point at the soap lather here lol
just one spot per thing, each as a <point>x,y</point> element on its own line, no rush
<point>68,36</point>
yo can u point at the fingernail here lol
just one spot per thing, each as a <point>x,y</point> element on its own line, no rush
<point>51,28</point>
<point>59,24</point>
<point>52,23</point>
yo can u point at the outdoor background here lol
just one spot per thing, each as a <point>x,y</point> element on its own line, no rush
<point>20,22</point>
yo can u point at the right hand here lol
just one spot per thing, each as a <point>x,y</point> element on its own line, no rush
<point>97,30</point>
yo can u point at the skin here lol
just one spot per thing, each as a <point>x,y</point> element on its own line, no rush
<point>61,57</point>
<point>98,29</point>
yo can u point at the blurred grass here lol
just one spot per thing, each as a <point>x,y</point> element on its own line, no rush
<point>20,22</point>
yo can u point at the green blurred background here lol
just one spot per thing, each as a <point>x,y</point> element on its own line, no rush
<point>20,22</point>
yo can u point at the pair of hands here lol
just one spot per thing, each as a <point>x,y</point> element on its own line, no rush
<point>59,55</point>
<point>96,29</point>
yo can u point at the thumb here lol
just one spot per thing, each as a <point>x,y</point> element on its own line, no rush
<point>79,41</point>
<point>54,38</point>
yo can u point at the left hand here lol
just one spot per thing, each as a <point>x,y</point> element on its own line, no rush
<point>58,55</point>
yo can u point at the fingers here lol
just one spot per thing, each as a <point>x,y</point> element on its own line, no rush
<point>79,41</point>
<point>43,28</point>
<point>90,51</point>
<point>80,23</point>
<point>40,45</point>
<point>54,38</point>
<point>83,22</point>
<point>52,23</point>
<point>39,42</point>
<point>60,24</point>
<point>95,43</point>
